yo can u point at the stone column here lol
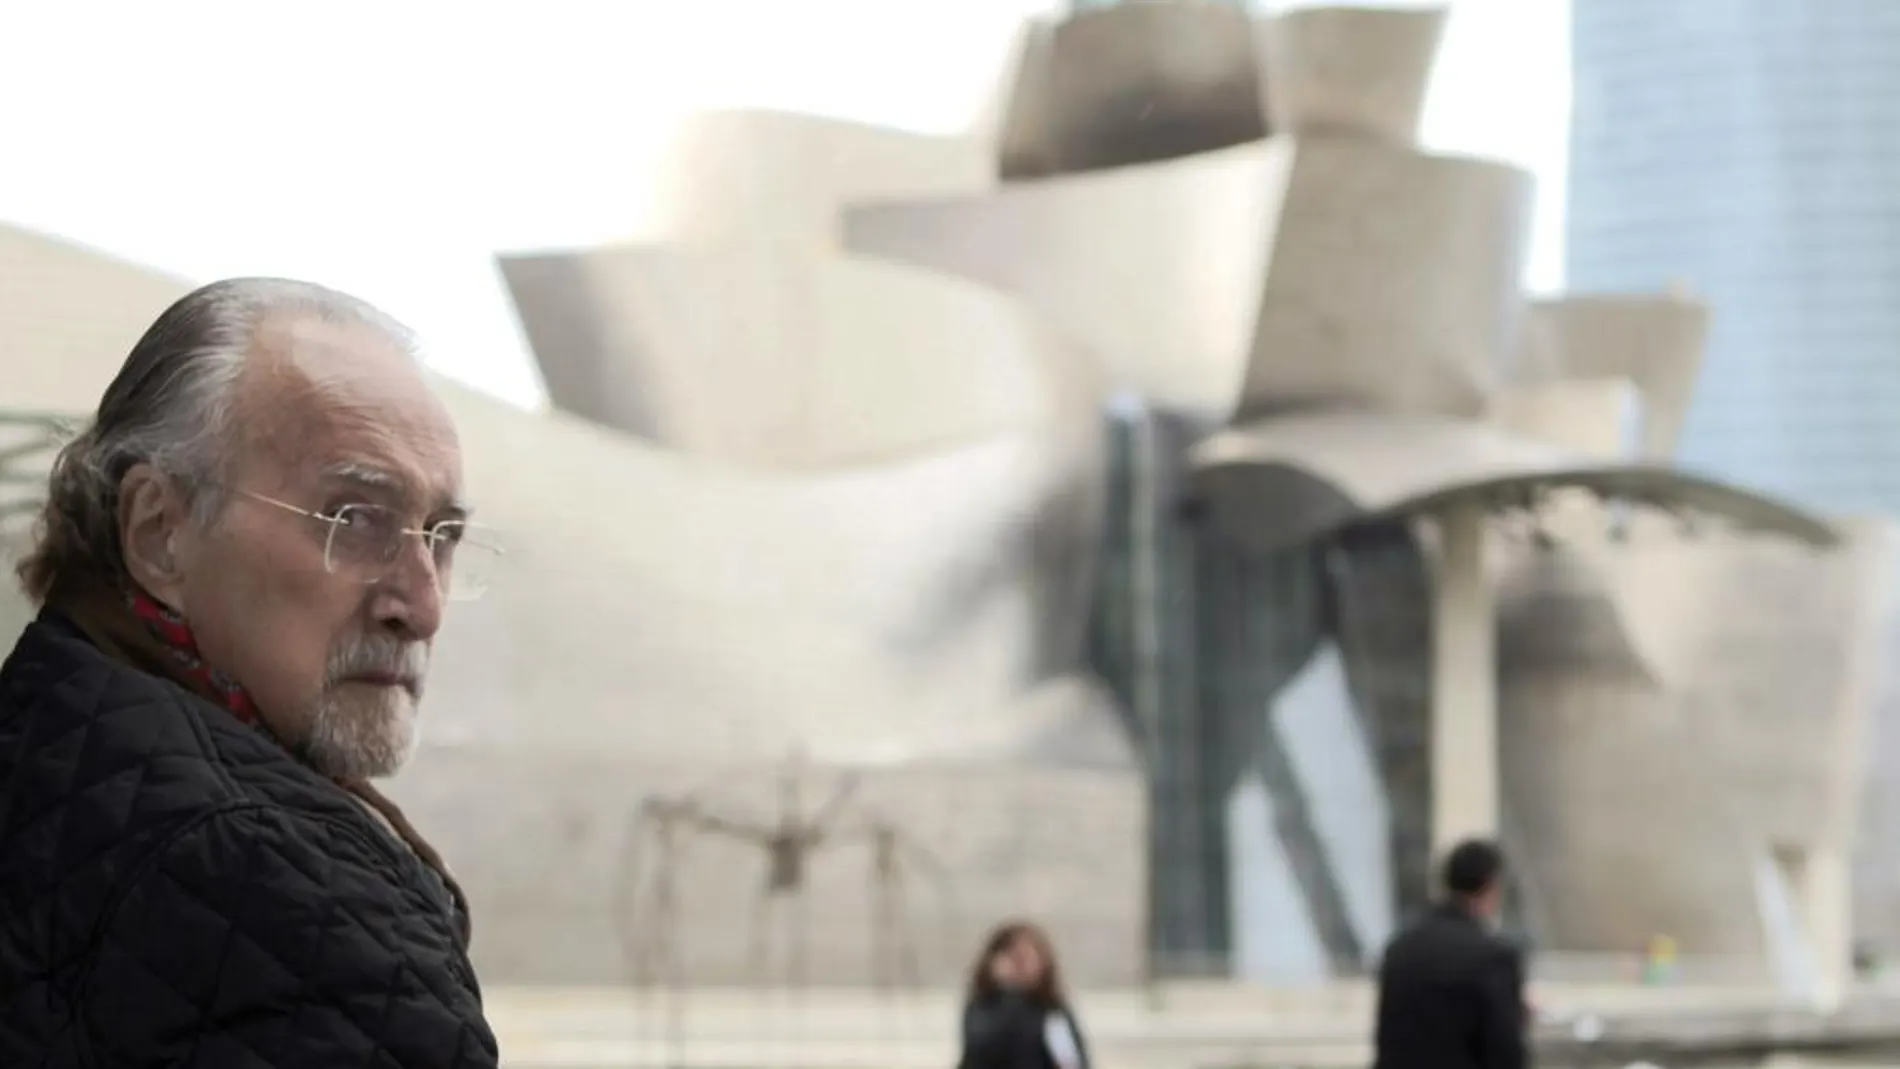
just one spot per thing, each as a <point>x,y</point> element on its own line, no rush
<point>1826,886</point>
<point>1464,751</point>
<point>1825,893</point>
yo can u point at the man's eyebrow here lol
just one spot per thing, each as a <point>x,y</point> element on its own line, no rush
<point>363,475</point>
<point>386,482</point>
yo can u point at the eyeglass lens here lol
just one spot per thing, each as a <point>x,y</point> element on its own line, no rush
<point>365,541</point>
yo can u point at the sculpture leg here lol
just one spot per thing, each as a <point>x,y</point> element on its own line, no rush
<point>759,956</point>
<point>639,934</point>
<point>909,974</point>
<point>631,904</point>
<point>651,936</point>
<point>667,950</point>
<point>881,972</point>
<point>799,924</point>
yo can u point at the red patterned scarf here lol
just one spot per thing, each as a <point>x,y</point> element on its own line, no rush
<point>172,630</point>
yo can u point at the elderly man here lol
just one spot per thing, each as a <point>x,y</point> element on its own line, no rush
<point>242,565</point>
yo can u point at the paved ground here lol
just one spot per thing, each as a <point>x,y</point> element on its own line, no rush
<point>1176,1027</point>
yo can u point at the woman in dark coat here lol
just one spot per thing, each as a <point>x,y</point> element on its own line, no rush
<point>1017,1016</point>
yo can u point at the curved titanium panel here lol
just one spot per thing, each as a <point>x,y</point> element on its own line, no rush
<point>1353,70</point>
<point>1535,359</point>
<point>1131,83</point>
<point>1631,824</point>
<point>1742,735</point>
<point>1760,639</point>
<point>1156,269</point>
<point>1023,147</point>
<point>1654,341</point>
<point>1395,281</point>
<point>1557,611</point>
<point>791,360</point>
<point>1253,276</point>
<point>780,179</point>
<point>1293,479</point>
<point>1590,417</point>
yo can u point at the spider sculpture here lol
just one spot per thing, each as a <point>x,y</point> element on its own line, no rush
<point>662,827</point>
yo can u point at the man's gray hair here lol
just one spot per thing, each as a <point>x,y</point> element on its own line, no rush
<point>170,406</point>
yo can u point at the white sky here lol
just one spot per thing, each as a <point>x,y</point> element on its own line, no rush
<point>390,147</point>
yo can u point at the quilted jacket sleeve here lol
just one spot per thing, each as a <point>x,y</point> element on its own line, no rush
<point>262,939</point>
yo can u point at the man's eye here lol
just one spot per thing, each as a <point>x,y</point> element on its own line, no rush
<point>355,516</point>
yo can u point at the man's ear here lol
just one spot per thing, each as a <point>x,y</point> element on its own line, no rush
<point>151,518</point>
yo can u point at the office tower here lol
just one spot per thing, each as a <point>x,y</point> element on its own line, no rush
<point>1750,150</point>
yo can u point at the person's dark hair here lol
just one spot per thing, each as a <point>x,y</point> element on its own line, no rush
<point>170,407</point>
<point>1047,993</point>
<point>1472,867</point>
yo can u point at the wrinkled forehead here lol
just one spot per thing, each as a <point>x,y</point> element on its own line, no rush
<point>324,401</point>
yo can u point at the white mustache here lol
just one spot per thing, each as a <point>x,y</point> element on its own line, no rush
<point>377,655</point>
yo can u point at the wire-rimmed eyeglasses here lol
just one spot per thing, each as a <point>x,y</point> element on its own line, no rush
<point>362,543</point>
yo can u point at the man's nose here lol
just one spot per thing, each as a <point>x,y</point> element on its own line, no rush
<point>408,600</point>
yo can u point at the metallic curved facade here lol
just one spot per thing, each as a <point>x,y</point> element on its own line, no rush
<point>1120,84</point>
<point>1251,257</point>
<point>1353,70</point>
<point>1592,418</point>
<point>1597,760</point>
<point>1300,478</point>
<point>1132,83</point>
<point>1644,646</point>
<point>791,361</point>
<point>1179,331</point>
<point>775,179</point>
<point>1432,288</point>
<point>1654,342</point>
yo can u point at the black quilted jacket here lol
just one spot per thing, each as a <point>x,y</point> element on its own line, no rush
<point>176,890</point>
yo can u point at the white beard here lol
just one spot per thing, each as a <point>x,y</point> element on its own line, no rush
<point>360,732</point>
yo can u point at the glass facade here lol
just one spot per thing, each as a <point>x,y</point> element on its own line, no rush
<point>1199,639</point>
<point>1750,149</point>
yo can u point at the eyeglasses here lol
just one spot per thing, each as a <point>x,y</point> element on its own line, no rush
<point>362,542</point>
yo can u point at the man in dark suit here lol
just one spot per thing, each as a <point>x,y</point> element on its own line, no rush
<point>1451,991</point>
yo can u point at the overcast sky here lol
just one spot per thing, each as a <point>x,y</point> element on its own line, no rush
<point>389,147</point>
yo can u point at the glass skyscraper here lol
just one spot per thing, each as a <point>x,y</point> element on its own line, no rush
<point>1750,150</point>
